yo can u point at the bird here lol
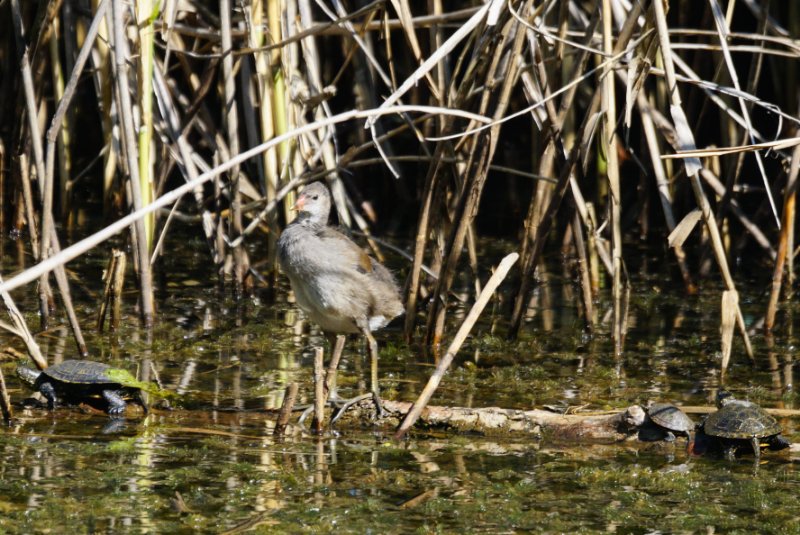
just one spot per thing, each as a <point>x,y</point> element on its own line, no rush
<point>338,285</point>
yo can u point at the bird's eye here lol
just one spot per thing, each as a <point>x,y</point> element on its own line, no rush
<point>315,197</point>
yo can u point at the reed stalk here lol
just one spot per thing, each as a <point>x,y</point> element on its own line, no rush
<point>608,142</point>
<point>146,12</point>
<point>240,260</point>
<point>783,243</point>
<point>64,153</point>
<point>278,112</point>
<point>142,258</point>
<point>693,167</point>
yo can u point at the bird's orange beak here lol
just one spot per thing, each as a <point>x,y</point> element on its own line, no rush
<point>300,203</point>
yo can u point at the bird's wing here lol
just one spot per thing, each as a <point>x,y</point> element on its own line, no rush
<point>346,249</point>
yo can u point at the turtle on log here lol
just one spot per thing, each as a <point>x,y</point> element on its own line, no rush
<point>669,421</point>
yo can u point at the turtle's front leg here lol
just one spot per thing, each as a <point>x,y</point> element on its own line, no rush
<point>49,392</point>
<point>116,405</point>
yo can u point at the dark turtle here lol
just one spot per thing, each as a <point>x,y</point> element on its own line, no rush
<point>81,380</point>
<point>671,420</point>
<point>738,423</point>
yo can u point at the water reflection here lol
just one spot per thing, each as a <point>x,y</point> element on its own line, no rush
<point>231,365</point>
<point>231,472</point>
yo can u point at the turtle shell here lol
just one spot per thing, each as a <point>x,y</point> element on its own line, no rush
<point>742,420</point>
<point>83,372</point>
<point>670,417</point>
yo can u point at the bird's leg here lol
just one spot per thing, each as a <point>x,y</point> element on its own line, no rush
<point>375,394</point>
<point>337,346</point>
<point>373,362</point>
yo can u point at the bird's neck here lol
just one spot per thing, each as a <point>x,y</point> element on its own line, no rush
<point>309,218</point>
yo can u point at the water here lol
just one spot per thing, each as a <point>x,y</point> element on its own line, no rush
<point>211,464</point>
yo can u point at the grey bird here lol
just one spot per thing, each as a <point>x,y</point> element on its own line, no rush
<point>339,286</point>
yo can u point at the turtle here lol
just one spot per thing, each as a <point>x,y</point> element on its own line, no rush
<point>738,423</point>
<point>82,380</point>
<point>670,420</point>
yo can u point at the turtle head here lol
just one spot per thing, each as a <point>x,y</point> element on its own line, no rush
<point>27,375</point>
<point>723,398</point>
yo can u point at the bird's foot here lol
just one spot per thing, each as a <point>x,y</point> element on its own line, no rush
<point>334,400</point>
<point>347,405</point>
<point>380,412</point>
<point>338,406</point>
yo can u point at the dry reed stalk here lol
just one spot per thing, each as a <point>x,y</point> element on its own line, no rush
<point>542,230</point>
<point>285,413</point>
<point>20,330</point>
<point>472,256</point>
<point>662,184</point>
<point>608,142</point>
<point>420,242</point>
<point>734,171</point>
<point>793,105</point>
<point>669,133</point>
<point>466,326</point>
<point>318,423</point>
<point>114,278</point>
<point>268,163</point>
<point>538,227</point>
<point>512,39</point>
<point>436,36</point>
<point>118,283</point>
<point>45,295</point>
<point>145,65</point>
<point>123,87</point>
<point>783,242</point>
<point>101,75</point>
<point>186,164</point>
<point>5,400</point>
<point>329,383</point>
<point>730,303</point>
<point>723,30</point>
<point>692,165</point>
<point>231,116</point>
<point>583,269</point>
<point>108,278</point>
<point>279,106</point>
<point>49,239</point>
<point>64,158</point>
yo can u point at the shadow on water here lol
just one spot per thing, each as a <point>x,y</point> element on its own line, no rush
<point>210,464</point>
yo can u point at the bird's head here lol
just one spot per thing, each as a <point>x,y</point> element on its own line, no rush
<point>314,202</point>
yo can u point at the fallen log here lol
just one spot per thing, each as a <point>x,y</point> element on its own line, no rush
<point>493,421</point>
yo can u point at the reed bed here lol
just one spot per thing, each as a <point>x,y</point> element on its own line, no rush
<point>564,126</point>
